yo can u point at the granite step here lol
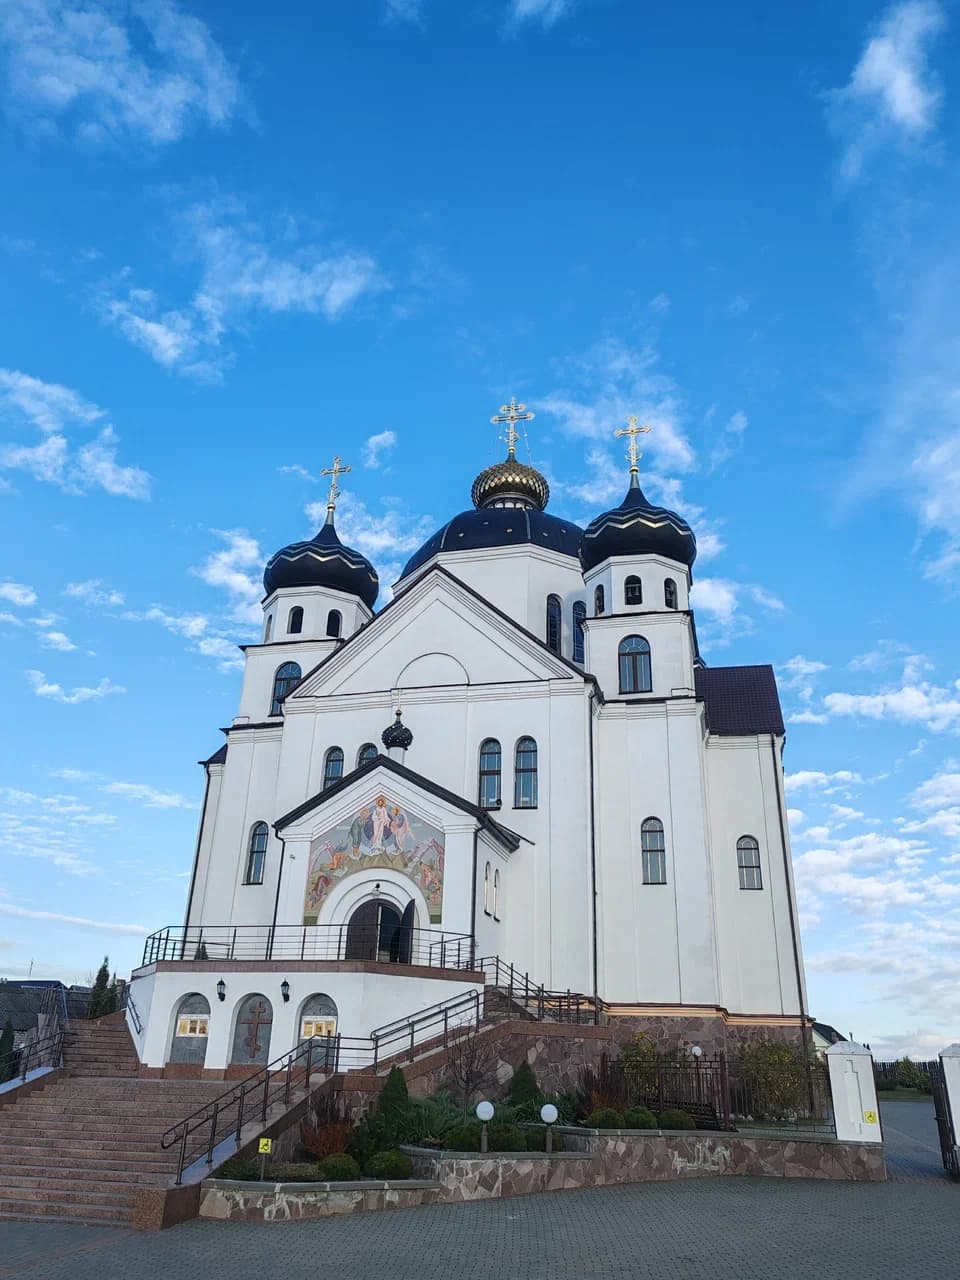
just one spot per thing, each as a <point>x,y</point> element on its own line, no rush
<point>11,1207</point>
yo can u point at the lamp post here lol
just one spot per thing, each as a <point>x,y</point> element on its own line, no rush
<point>484,1115</point>
<point>548,1114</point>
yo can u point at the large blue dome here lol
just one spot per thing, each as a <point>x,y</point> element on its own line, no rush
<point>500,527</point>
<point>637,527</point>
<point>323,562</point>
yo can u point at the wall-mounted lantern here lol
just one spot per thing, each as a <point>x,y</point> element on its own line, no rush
<point>221,990</point>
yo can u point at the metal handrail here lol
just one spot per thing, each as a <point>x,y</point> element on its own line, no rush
<point>47,1046</point>
<point>445,1014</point>
<point>127,1005</point>
<point>547,1005</point>
<point>434,948</point>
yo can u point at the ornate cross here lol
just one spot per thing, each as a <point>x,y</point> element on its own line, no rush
<point>633,430</point>
<point>259,1016</point>
<point>511,414</point>
<point>337,470</point>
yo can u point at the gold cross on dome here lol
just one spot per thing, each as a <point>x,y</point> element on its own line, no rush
<point>633,430</point>
<point>511,414</point>
<point>335,472</point>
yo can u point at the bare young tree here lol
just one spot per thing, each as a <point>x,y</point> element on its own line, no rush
<point>471,1064</point>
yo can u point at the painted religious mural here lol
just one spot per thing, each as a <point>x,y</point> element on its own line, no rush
<point>380,834</point>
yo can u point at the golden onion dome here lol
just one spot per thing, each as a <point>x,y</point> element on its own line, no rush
<point>510,483</point>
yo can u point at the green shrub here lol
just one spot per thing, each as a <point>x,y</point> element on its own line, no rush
<point>639,1118</point>
<point>381,1129</point>
<point>506,1137</point>
<point>523,1086</point>
<point>240,1170</point>
<point>925,1084</point>
<point>537,1139</point>
<point>340,1168</point>
<point>676,1120</point>
<point>775,1074</point>
<point>464,1138</point>
<point>885,1083</point>
<point>908,1074</point>
<point>390,1165</point>
<point>309,1172</point>
<point>605,1118</point>
<point>639,1061</point>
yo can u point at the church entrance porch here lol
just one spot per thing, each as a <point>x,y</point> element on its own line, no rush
<point>377,931</point>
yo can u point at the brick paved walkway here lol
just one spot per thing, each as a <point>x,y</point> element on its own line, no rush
<point>911,1143</point>
<point>714,1229</point>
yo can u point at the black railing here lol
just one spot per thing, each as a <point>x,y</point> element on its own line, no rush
<point>432,948</point>
<point>128,1006</point>
<point>46,1051</point>
<point>534,998</point>
<point>434,1027</point>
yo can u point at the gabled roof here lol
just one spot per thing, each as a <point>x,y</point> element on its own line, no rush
<point>505,836</point>
<point>828,1033</point>
<point>218,756</point>
<point>740,700</point>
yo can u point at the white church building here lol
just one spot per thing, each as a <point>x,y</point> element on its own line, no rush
<point>523,755</point>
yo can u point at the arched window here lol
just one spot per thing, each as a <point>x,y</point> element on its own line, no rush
<point>490,774</point>
<point>579,617</point>
<point>554,623</point>
<point>496,895</point>
<point>669,593</point>
<point>653,851</point>
<point>487,889</point>
<point>332,767</point>
<point>295,621</point>
<point>318,1019</point>
<point>748,863</point>
<point>525,775</point>
<point>334,624</point>
<point>635,675</point>
<point>256,854</point>
<point>632,590</point>
<point>366,753</point>
<point>287,676</point>
<point>598,602</point>
<point>268,629</point>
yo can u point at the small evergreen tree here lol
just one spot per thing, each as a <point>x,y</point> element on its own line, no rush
<point>523,1086</point>
<point>99,998</point>
<point>6,1052</point>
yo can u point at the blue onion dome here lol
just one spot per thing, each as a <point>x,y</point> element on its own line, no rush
<point>635,528</point>
<point>397,734</point>
<point>323,562</point>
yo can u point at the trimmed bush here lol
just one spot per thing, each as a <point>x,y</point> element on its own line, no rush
<point>885,1083</point>
<point>465,1137</point>
<point>523,1086</point>
<point>676,1120</point>
<point>506,1137</point>
<point>537,1140</point>
<point>339,1168</point>
<point>240,1170</point>
<point>605,1118</point>
<point>639,1118</point>
<point>390,1166</point>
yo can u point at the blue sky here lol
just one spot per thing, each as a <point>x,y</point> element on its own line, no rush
<point>236,239</point>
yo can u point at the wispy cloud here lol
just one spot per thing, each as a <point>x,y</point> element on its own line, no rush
<point>892,96</point>
<point>143,70</point>
<point>152,797</point>
<point>18,593</point>
<point>729,440</point>
<point>404,11</point>
<point>722,602</point>
<point>45,688</point>
<point>94,593</point>
<point>377,447</point>
<point>57,640</point>
<point>545,12</point>
<point>54,409</point>
<point>386,537</point>
<point>229,569</point>
<point>77,922</point>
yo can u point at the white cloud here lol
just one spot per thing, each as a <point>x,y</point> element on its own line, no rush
<point>892,96</point>
<point>814,779</point>
<point>807,717</point>
<point>206,636</point>
<point>297,469</point>
<point>546,12</point>
<point>78,922</point>
<point>377,446</point>
<point>729,440</point>
<point>56,640</point>
<point>799,674</point>
<point>404,11</point>
<point>94,593</point>
<point>138,69</point>
<point>935,707</point>
<point>45,688</point>
<point>150,796</point>
<point>738,305</point>
<point>386,537</point>
<point>17,593</point>
<point>660,302</point>
<point>722,602</point>
<point>229,569</point>
<point>52,409</point>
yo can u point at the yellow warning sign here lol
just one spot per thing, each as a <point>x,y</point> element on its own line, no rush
<point>871,1117</point>
<point>266,1146</point>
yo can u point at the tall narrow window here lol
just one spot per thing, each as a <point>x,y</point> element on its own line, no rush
<point>496,895</point>
<point>487,889</point>
<point>295,621</point>
<point>598,602</point>
<point>748,863</point>
<point>525,775</point>
<point>579,617</point>
<point>554,623</point>
<point>490,774</point>
<point>268,629</point>
<point>287,676</point>
<point>635,676</point>
<point>334,623</point>
<point>632,590</point>
<point>653,851</point>
<point>332,767</point>
<point>256,854</point>
<point>366,753</point>
<point>670,593</point>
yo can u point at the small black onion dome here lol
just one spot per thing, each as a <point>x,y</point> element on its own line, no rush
<point>510,479</point>
<point>637,527</point>
<point>491,527</point>
<point>396,735</point>
<point>323,562</point>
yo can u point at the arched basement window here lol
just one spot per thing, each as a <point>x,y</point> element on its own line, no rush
<point>525,775</point>
<point>490,763</point>
<point>554,623</point>
<point>653,851</point>
<point>287,676</point>
<point>634,657</point>
<point>332,767</point>
<point>256,854</point>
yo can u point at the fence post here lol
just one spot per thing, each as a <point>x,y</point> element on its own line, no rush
<point>950,1062</point>
<point>855,1111</point>
<point>213,1133</point>
<point>725,1091</point>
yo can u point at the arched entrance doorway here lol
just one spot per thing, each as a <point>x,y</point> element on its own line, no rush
<point>377,931</point>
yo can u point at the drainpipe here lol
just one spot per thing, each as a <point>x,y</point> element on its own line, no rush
<point>196,855</point>
<point>788,883</point>
<point>593,861</point>
<point>473,899</point>
<point>276,901</point>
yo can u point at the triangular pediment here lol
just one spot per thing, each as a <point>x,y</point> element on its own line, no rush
<point>439,632</point>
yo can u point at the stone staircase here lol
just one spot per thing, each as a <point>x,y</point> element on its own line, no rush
<point>79,1146</point>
